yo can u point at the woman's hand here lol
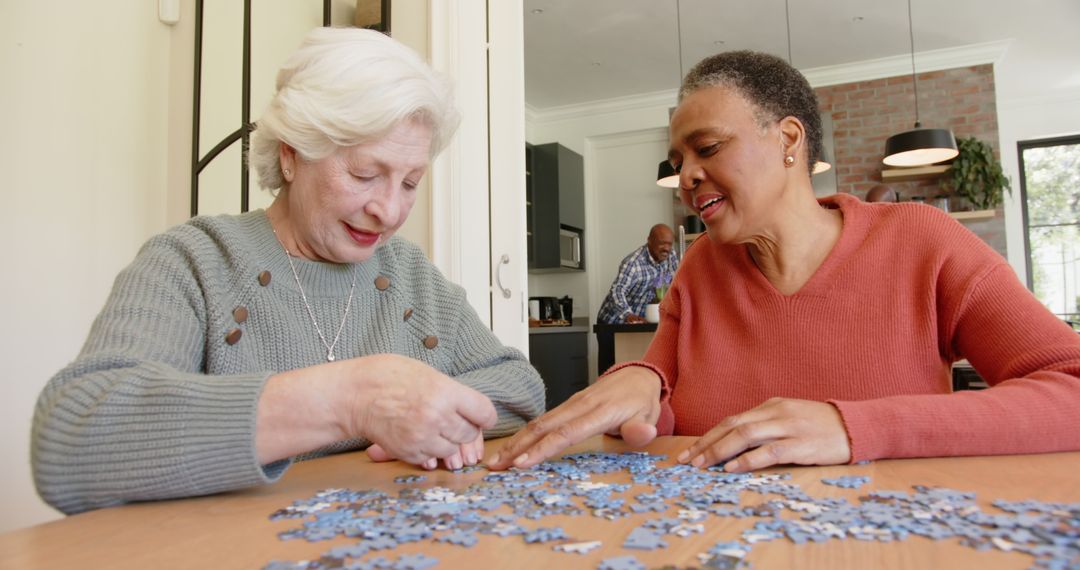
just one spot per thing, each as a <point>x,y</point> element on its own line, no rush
<point>469,454</point>
<point>626,403</point>
<point>780,431</point>
<point>412,411</point>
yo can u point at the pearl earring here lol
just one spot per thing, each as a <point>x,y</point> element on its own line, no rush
<point>288,172</point>
<point>789,160</point>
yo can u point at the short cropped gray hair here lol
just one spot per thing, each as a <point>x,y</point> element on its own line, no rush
<point>344,87</point>
<point>776,88</point>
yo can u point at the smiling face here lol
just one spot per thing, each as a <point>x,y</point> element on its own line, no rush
<point>731,168</point>
<point>661,240</point>
<point>342,207</point>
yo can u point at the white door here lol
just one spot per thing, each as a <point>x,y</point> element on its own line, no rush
<point>478,183</point>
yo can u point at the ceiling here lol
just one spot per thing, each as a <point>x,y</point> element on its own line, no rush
<point>579,51</point>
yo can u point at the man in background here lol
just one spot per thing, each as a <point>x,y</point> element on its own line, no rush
<point>640,273</point>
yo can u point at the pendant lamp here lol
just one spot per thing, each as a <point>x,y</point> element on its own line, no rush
<point>822,163</point>
<point>666,177</point>
<point>919,146</point>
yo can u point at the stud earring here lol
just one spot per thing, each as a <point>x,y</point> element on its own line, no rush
<point>789,160</point>
<point>288,172</point>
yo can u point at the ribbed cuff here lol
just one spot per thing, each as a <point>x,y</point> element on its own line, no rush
<point>665,391</point>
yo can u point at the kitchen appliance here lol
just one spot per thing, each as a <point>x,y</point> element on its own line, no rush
<point>694,225</point>
<point>566,305</point>
<point>549,308</point>
<point>569,247</point>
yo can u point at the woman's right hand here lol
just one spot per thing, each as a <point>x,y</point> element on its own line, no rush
<point>412,411</point>
<point>624,403</point>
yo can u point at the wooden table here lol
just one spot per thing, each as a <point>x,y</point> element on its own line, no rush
<point>233,530</point>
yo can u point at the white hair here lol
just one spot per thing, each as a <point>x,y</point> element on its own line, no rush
<point>344,87</point>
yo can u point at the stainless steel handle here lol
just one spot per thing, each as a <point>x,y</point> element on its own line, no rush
<point>504,260</point>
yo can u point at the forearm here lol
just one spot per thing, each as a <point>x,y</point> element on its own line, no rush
<point>108,431</point>
<point>300,411</point>
<point>1030,415</point>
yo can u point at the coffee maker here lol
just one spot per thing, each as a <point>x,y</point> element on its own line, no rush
<point>549,308</point>
<point>566,306</point>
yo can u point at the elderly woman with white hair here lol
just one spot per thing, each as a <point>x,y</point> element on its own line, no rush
<point>234,344</point>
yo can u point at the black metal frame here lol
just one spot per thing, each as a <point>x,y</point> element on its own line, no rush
<point>1021,146</point>
<point>244,132</point>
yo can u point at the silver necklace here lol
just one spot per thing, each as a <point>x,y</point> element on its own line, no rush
<point>348,304</point>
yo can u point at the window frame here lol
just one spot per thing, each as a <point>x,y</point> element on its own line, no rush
<point>1021,146</point>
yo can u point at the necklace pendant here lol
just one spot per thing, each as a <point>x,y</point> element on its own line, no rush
<point>329,356</point>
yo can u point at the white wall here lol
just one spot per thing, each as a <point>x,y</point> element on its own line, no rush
<point>97,157</point>
<point>84,157</point>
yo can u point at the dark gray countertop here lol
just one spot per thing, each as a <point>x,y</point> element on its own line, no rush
<point>579,325</point>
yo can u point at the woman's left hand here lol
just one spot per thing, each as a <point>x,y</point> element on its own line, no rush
<point>469,454</point>
<point>779,431</point>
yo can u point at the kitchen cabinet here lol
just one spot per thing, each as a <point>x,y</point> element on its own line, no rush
<point>555,206</point>
<point>561,356</point>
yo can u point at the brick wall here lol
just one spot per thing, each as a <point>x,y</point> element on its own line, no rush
<point>866,113</point>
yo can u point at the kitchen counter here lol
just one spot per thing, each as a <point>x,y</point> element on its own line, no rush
<point>578,325</point>
<point>562,359</point>
<point>621,342</point>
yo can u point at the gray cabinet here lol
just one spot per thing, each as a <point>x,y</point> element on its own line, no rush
<point>555,205</point>
<point>562,360</point>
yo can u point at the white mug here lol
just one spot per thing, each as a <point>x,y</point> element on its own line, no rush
<point>652,312</point>
<point>534,310</point>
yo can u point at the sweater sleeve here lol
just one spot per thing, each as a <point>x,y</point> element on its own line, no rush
<point>483,363</point>
<point>133,418</point>
<point>662,354</point>
<point>1030,358</point>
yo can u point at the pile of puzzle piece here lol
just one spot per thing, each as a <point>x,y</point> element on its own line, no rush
<point>685,498</point>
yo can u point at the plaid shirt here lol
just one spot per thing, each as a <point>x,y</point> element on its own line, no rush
<point>634,286</point>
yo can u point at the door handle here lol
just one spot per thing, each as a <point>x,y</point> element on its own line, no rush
<point>504,260</point>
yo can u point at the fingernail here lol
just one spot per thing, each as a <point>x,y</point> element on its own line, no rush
<point>494,460</point>
<point>521,459</point>
<point>698,461</point>
<point>468,457</point>
<point>683,456</point>
<point>457,463</point>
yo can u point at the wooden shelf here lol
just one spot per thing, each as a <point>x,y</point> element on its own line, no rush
<point>974,215</point>
<point>914,173</point>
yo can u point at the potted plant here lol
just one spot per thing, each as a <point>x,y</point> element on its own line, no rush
<point>660,286</point>
<point>976,175</point>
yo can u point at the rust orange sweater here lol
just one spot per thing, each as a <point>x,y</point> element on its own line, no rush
<point>904,293</point>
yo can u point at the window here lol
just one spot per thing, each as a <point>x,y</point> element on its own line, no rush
<point>1050,195</point>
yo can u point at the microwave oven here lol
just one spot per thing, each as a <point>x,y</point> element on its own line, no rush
<point>569,247</point>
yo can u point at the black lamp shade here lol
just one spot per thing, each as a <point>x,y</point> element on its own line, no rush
<point>666,176</point>
<point>920,147</point>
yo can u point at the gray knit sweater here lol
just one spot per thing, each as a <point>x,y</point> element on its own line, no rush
<point>160,404</point>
